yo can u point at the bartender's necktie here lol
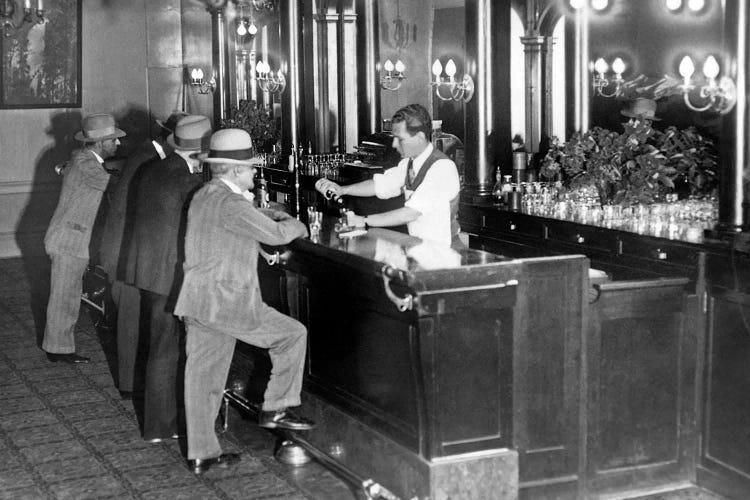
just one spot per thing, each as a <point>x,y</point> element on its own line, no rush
<point>410,171</point>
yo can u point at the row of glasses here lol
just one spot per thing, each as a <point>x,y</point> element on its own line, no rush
<point>324,165</point>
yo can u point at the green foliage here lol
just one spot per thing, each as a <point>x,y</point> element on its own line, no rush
<point>638,166</point>
<point>256,120</point>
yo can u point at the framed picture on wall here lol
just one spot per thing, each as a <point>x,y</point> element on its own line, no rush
<point>41,55</point>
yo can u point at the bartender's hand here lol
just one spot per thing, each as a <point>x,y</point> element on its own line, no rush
<point>354,220</point>
<point>324,186</point>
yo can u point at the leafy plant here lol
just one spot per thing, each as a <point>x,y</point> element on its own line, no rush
<point>638,166</point>
<point>256,120</point>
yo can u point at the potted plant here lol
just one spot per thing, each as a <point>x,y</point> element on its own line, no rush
<point>257,121</point>
<point>639,165</point>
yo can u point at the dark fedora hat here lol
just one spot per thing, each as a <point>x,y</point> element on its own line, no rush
<point>641,108</point>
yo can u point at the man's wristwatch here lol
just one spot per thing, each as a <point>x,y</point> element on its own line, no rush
<point>367,226</point>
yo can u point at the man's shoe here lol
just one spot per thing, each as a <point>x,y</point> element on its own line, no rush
<point>201,465</point>
<point>71,359</point>
<point>284,419</point>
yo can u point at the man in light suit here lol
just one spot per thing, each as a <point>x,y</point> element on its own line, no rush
<point>220,300</point>
<point>69,233</point>
<point>162,194</point>
<point>113,252</point>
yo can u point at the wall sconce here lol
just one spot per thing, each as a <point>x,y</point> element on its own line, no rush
<point>196,80</point>
<point>246,26</point>
<point>694,5</point>
<point>601,82</point>
<point>463,90</point>
<point>267,81</point>
<point>720,96</point>
<point>389,81</point>
<point>8,10</point>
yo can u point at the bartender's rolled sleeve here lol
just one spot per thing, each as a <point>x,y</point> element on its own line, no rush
<point>389,183</point>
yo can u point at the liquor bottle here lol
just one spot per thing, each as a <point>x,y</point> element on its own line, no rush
<point>497,190</point>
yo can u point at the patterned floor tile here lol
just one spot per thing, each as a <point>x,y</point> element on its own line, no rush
<point>28,493</point>
<point>160,477</point>
<point>75,413</point>
<point>182,493</point>
<point>67,470</point>
<point>39,435</point>
<point>57,452</point>
<point>126,460</point>
<point>8,460</point>
<point>71,398</point>
<point>88,488</point>
<point>27,419</point>
<point>12,479</point>
<point>255,486</point>
<point>59,385</point>
<point>16,390</point>
<point>51,372</point>
<point>105,425</point>
<point>9,379</point>
<point>113,442</point>
<point>20,404</point>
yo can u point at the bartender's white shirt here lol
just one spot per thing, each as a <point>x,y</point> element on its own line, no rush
<point>431,199</point>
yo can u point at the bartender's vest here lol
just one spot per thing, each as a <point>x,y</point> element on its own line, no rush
<point>411,186</point>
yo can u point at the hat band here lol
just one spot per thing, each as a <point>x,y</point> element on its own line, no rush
<point>233,154</point>
<point>99,132</point>
<point>188,143</point>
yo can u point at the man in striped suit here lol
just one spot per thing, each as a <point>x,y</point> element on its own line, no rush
<point>69,233</point>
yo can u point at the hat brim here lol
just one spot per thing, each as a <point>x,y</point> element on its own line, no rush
<point>229,161</point>
<point>633,115</point>
<point>174,145</point>
<point>116,135</point>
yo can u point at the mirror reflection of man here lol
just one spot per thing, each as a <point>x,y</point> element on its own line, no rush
<point>428,179</point>
<point>641,112</point>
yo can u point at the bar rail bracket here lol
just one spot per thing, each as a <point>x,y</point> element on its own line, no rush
<point>403,304</point>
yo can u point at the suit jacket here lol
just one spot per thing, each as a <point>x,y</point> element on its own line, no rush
<point>115,235</point>
<point>220,288</point>
<point>84,182</point>
<point>161,198</point>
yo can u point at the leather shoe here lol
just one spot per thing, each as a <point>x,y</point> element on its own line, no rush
<point>71,359</point>
<point>284,419</point>
<point>201,465</point>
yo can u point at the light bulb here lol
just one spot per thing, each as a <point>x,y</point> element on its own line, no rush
<point>450,68</point>
<point>266,67</point>
<point>388,66</point>
<point>437,68</point>
<point>241,30</point>
<point>599,4</point>
<point>400,66</point>
<point>601,66</point>
<point>673,4</point>
<point>259,67</point>
<point>577,4</point>
<point>687,68</point>
<point>253,29</point>
<point>194,73</point>
<point>711,68</point>
<point>618,66</point>
<point>696,5</point>
<point>197,74</point>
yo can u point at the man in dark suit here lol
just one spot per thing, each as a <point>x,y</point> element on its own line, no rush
<point>69,233</point>
<point>220,300</point>
<point>162,193</point>
<point>116,236</point>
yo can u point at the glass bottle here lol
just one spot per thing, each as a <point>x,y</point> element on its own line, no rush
<point>497,190</point>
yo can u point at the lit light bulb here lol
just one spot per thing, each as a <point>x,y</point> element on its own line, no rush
<point>599,4</point>
<point>437,68</point>
<point>253,29</point>
<point>388,66</point>
<point>577,4</point>
<point>687,68</point>
<point>673,4</point>
<point>400,66</point>
<point>260,68</point>
<point>450,68</point>
<point>618,66</point>
<point>196,74</point>
<point>241,30</point>
<point>696,5</point>
<point>711,68</point>
<point>601,66</point>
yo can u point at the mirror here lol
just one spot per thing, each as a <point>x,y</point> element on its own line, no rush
<point>648,39</point>
<point>417,33</point>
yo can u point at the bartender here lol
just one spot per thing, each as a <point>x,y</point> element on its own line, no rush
<point>428,179</point>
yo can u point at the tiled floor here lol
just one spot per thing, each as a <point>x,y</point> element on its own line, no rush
<point>65,431</point>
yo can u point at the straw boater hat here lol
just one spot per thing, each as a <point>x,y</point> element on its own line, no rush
<point>171,122</point>
<point>233,146</point>
<point>641,108</point>
<point>191,133</point>
<point>98,127</point>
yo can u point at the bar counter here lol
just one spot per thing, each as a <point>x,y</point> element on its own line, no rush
<point>410,358</point>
